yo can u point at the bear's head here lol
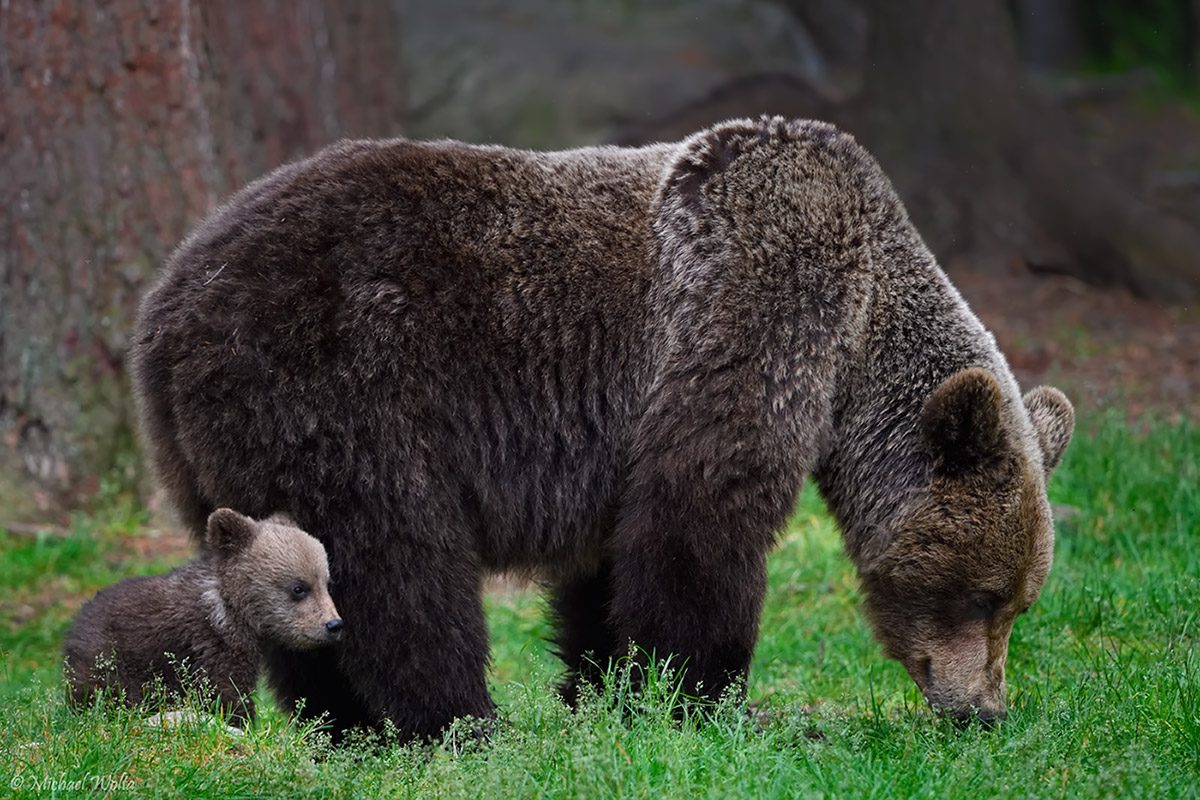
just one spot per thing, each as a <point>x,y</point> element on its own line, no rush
<point>274,577</point>
<point>966,557</point>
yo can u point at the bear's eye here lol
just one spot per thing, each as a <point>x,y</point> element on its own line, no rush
<point>300,590</point>
<point>983,606</point>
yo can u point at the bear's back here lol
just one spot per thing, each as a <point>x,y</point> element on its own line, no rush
<point>475,315</point>
<point>424,212</point>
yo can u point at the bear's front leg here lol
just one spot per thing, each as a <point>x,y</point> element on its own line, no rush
<point>414,649</point>
<point>709,488</point>
<point>699,606</point>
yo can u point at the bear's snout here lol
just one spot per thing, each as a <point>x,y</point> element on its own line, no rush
<point>334,628</point>
<point>962,680</point>
<point>986,706</point>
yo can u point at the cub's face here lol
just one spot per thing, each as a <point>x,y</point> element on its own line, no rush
<point>968,557</point>
<point>288,589</point>
<point>277,576</point>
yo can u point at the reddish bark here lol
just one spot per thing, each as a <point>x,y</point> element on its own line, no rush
<point>123,123</point>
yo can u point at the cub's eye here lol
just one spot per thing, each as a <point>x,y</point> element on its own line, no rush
<point>983,606</point>
<point>300,590</point>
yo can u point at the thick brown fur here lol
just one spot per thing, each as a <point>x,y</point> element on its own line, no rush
<point>149,640</point>
<point>610,366</point>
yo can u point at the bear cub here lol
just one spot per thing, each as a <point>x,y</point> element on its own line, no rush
<point>260,584</point>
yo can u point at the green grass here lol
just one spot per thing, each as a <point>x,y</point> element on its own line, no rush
<point>1104,679</point>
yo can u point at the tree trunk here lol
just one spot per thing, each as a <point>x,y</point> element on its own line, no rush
<point>839,28</point>
<point>989,171</point>
<point>124,123</point>
<point>1051,34</point>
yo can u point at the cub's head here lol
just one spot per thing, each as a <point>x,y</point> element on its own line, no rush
<point>969,555</point>
<point>275,577</point>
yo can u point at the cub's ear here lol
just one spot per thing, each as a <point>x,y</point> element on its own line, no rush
<point>1054,418</point>
<point>229,532</point>
<point>961,420</point>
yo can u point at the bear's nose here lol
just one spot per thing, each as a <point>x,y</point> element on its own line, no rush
<point>988,718</point>
<point>334,627</point>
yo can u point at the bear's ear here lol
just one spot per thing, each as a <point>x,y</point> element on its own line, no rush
<point>229,532</point>
<point>1054,418</point>
<point>961,420</point>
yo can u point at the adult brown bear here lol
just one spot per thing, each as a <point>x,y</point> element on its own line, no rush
<point>610,366</point>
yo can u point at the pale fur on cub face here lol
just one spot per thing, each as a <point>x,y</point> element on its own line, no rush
<point>276,577</point>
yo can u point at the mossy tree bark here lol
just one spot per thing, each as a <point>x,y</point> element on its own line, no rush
<point>123,123</point>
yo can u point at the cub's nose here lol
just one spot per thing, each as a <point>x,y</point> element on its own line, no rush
<point>334,628</point>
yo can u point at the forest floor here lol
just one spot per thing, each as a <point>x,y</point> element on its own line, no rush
<point>1104,348</point>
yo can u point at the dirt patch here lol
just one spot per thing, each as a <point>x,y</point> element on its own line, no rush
<point>63,594</point>
<point>1104,348</point>
<point>156,544</point>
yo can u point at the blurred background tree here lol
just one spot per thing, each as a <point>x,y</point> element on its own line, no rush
<point>125,121</point>
<point>992,171</point>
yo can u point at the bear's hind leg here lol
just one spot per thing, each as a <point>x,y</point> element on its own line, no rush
<point>160,431</point>
<point>585,637</point>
